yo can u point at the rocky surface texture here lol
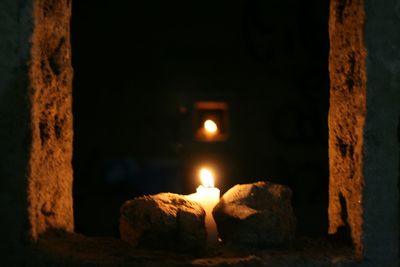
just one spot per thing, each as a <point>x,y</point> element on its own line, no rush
<point>347,116</point>
<point>256,215</point>
<point>76,250</point>
<point>163,221</point>
<point>50,167</point>
<point>35,123</point>
<point>364,65</point>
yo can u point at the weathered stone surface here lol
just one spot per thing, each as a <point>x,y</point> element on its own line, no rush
<point>50,74</point>
<point>364,111</point>
<point>256,215</point>
<point>347,115</point>
<point>163,221</point>
<point>74,250</point>
<point>35,123</point>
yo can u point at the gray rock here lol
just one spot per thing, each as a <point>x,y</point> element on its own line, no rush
<point>256,215</point>
<point>163,221</point>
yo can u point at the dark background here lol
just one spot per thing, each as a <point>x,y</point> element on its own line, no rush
<point>140,66</point>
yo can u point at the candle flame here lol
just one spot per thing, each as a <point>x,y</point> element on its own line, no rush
<point>206,177</point>
<point>210,126</point>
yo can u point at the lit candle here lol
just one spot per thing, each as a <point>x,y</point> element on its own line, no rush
<point>210,128</point>
<point>207,196</point>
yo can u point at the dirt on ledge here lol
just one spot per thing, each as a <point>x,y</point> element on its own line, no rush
<point>77,250</point>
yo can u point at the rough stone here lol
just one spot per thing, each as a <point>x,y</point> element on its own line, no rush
<point>35,123</point>
<point>364,65</point>
<point>256,215</point>
<point>74,250</point>
<point>346,116</point>
<point>50,164</point>
<point>163,221</point>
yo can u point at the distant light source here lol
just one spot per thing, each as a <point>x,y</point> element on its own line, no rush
<point>210,126</point>
<point>211,121</point>
<point>207,177</point>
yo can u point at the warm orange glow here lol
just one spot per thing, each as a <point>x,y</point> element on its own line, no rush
<point>210,126</point>
<point>207,177</point>
<point>207,196</point>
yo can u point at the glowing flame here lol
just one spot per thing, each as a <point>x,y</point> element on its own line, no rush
<point>206,177</point>
<point>210,126</point>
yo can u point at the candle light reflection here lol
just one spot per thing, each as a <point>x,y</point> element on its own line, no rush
<point>210,127</point>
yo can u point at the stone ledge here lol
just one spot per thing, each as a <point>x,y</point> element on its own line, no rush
<point>78,250</point>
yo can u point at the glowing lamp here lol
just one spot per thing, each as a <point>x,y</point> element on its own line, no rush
<point>211,121</point>
<point>210,127</point>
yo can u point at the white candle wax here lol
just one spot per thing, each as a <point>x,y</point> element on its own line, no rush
<point>208,197</point>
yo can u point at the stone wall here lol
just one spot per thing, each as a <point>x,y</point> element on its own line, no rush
<point>346,116</point>
<point>364,65</point>
<point>35,123</point>
<point>50,170</point>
